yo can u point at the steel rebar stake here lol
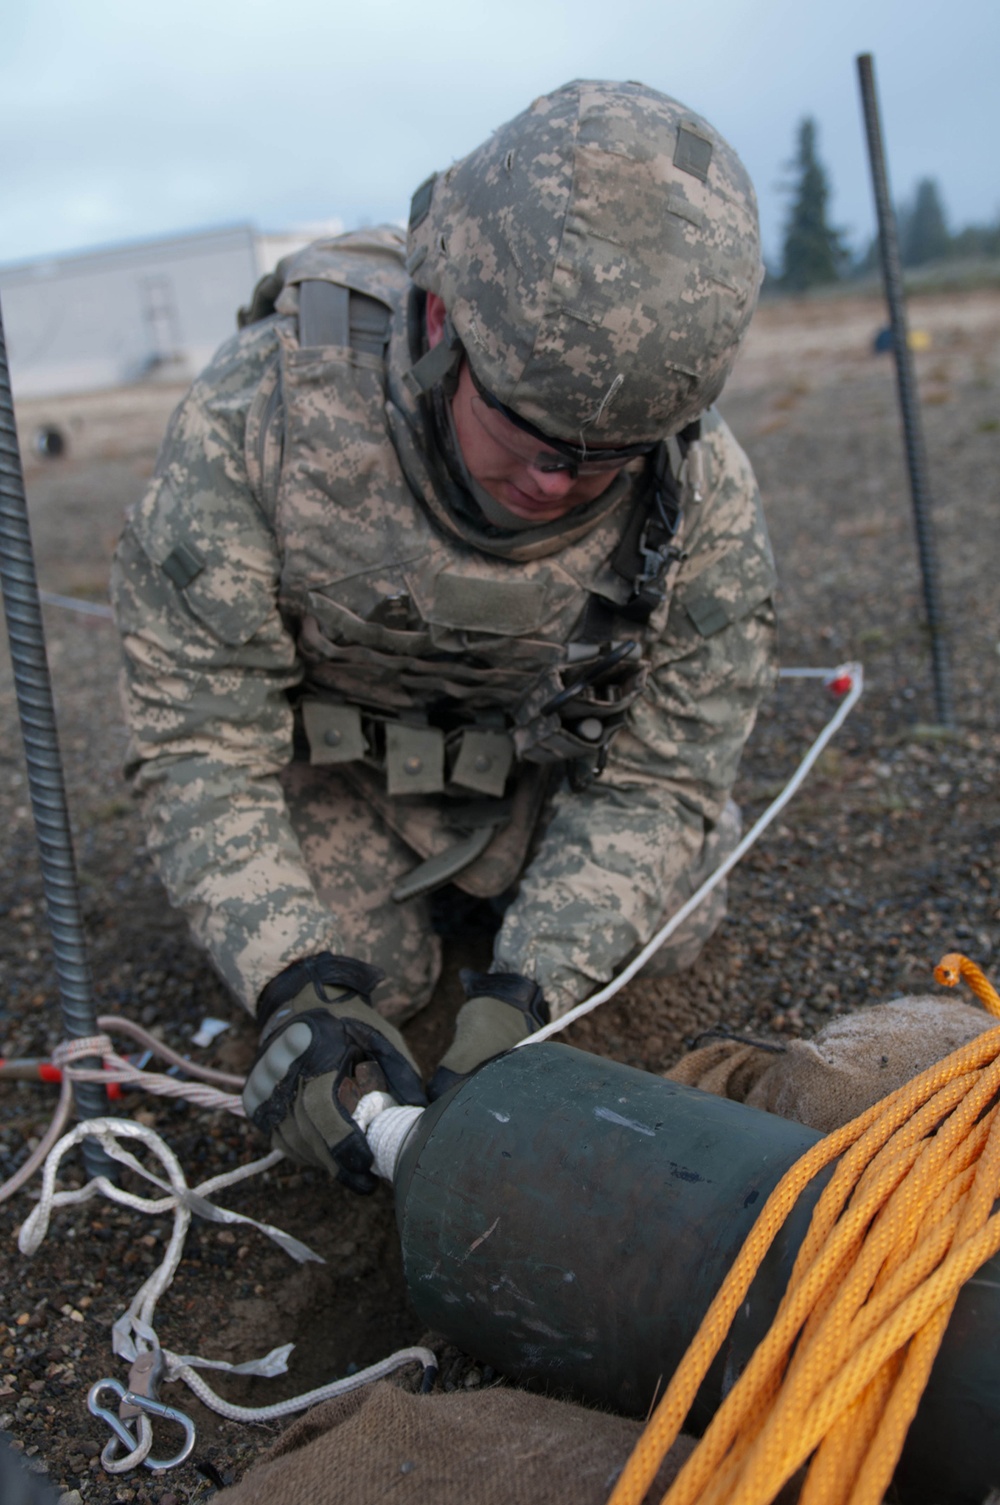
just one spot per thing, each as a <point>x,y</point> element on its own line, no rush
<point>916,458</point>
<point>41,746</point>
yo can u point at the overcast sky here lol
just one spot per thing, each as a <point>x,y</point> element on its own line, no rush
<point>127,119</point>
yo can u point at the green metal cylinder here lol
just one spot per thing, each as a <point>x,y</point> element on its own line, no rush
<point>568,1220</point>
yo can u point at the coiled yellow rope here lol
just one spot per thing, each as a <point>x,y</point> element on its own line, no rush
<point>903,1222</point>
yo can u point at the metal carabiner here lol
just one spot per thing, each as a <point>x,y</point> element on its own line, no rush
<point>151,1407</point>
<point>138,1401</point>
<point>118,1427</point>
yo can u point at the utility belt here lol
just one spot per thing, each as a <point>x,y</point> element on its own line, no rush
<point>570,715</point>
<point>481,785</point>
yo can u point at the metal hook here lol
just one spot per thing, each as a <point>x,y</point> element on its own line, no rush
<point>118,1427</point>
<point>169,1413</point>
<point>142,1406</point>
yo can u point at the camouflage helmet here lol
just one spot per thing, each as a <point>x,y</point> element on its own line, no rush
<point>599,259</point>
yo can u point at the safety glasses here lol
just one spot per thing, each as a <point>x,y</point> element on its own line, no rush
<point>523,439</point>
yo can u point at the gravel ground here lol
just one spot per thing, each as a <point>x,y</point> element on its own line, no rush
<point>882,862</point>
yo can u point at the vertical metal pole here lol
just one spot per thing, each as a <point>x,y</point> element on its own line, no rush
<point>916,458</point>
<point>41,746</point>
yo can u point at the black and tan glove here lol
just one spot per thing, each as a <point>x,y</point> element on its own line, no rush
<point>502,1008</point>
<point>317,1028</point>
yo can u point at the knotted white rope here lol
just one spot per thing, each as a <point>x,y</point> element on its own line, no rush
<point>117,1070</point>
<point>386,1125</point>
<point>133,1332</point>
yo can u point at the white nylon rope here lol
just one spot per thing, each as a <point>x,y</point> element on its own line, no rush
<point>856,676</point>
<point>204,1392</point>
<point>386,1125</point>
<point>133,1332</point>
<point>118,1070</point>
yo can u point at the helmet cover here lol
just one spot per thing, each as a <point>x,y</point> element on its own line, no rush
<point>599,258</point>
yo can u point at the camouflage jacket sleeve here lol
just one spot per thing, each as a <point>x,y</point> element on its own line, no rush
<point>207,664</point>
<point>614,859</point>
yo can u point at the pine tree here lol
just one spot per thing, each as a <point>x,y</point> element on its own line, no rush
<point>813,253</point>
<point>977,240</point>
<point>924,234</point>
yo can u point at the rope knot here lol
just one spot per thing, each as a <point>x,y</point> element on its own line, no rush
<point>68,1051</point>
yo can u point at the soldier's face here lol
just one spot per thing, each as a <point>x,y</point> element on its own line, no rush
<point>528,479</point>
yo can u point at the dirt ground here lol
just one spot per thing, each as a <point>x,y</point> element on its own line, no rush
<point>882,862</point>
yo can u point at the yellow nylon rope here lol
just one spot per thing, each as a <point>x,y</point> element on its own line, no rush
<point>903,1222</point>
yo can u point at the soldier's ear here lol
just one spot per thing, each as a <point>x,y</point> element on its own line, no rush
<point>435,315</point>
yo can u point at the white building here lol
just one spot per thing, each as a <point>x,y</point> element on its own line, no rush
<point>142,312</point>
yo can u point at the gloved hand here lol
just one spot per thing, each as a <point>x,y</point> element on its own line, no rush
<point>502,1009</point>
<point>318,1027</point>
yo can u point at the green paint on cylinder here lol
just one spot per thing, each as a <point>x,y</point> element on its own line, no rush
<point>568,1220</point>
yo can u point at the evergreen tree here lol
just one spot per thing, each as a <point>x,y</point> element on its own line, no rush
<point>923,234</point>
<point>812,253</point>
<point>977,240</point>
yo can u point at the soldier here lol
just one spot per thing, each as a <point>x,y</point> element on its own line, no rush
<point>451,574</point>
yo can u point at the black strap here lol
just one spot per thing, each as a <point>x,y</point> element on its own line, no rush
<point>329,314</point>
<point>510,987</point>
<point>369,324</point>
<point>645,552</point>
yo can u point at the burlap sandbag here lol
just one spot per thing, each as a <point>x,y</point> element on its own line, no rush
<point>848,1066</point>
<point>482,1447</point>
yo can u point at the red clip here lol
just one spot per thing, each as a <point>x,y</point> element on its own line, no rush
<point>841,684</point>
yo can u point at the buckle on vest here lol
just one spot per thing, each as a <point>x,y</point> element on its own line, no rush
<point>656,561</point>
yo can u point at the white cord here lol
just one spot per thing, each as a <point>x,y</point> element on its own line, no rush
<point>116,1068</point>
<point>133,1332</point>
<point>205,1393</point>
<point>386,1125</point>
<point>181,1199</point>
<point>854,673</point>
<point>115,1465</point>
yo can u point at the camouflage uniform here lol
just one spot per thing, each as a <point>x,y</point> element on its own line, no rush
<point>337,672</point>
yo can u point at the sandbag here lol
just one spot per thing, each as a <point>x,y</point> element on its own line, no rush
<point>468,1447</point>
<point>850,1064</point>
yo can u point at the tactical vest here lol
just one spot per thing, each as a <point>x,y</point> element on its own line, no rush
<point>432,667</point>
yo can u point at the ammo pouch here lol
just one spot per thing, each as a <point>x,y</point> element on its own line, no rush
<point>570,715</point>
<point>471,820</point>
<point>471,824</point>
<point>479,789</point>
<point>413,758</point>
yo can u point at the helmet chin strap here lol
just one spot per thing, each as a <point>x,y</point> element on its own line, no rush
<point>438,366</point>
